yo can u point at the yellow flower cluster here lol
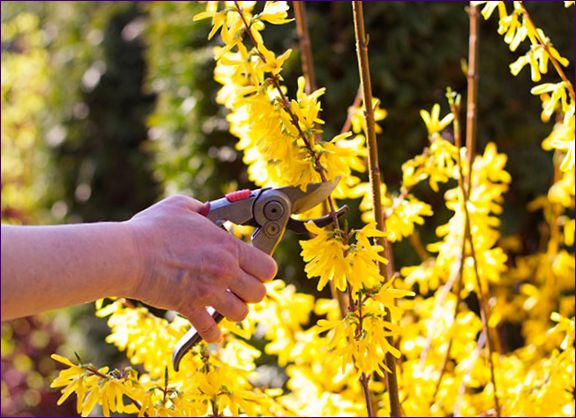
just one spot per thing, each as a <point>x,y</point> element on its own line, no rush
<point>94,386</point>
<point>211,381</point>
<point>556,97</point>
<point>439,331</point>
<point>532,294</point>
<point>281,142</point>
<point>437,164</point>
<point>489,183</point>
<point>428,330</point>
<point>547,277</point>
<point>279,136</point>
<point>147,339</point>
<point>438,161</point>
<point>331,256</point>
<point>361,338</point>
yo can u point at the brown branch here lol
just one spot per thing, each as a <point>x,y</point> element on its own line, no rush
<point>375,181</point>
<point>357,101</point>
<point>416,243</point>
<point>215,411</point>
<point>458,291</point>
<point>471,102</point>
<point>472,93</point>
<point>137,405</point>
<point>309,76</point>
<point>462,387</point>
<point>364,379</point>
<point>305,48</point>
<point>471,131</point>
<point>484,316</point>
<point>468,233</point>
<point>455,109</point>
<point>95,372</point>
<point>546,45</point>
<point>293,118</point>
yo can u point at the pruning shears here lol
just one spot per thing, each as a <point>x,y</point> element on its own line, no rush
<point>269,210</point>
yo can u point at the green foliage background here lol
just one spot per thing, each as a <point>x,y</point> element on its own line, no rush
<point>129,115</point>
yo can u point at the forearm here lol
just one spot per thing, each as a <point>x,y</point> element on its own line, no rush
<point>47,267</point>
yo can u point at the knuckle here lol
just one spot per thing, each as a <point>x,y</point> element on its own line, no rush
<point>215,268</point>
<point>259,293</point>
<point>242,312</point>
<point>204,327</point>
<point>221,271</point>
<point>206,292</point>
<point>229,245</point>
<point>178,199</point>
<point>270,268</point>
<point>210,332</point>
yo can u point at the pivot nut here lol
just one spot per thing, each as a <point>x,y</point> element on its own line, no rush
<point>272,229</point>
<point>273,210</point>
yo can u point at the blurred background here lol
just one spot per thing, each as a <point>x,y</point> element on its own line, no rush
<point>108,107</point>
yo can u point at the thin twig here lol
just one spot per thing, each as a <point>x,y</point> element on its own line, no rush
<point>215,411</point>
<point>468,233</point>
<point>472,81</point>
<point>484,316</point>
<point>462,387</point>
<point>375,181</point>
<point>364,379</point>
<point>305,46</point>
<point>357,101</point>
<point>137,405</point>
<point>416,243</point>
<point>455,109</point>
<point>95,372</point>
<point>471,130</point>
<point>440,299</point>
<point>293,118</point>
<point>310,86</point>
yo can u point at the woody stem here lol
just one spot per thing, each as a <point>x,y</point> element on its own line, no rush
<point>375,181</point>
<point>293,118</point>
<point>468,234</point>
<point>305,45</point>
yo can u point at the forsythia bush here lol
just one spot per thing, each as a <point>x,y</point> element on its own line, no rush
<point>439,319</point>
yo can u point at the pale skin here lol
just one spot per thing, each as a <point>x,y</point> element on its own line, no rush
<point>167,256</point>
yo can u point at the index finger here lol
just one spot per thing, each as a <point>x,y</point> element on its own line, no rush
<point>257,263</point>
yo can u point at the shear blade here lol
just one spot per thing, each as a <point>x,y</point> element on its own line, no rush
<point>315,193</point>
<point>299,226</point>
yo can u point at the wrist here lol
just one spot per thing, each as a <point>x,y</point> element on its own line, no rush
<point>135,261</point>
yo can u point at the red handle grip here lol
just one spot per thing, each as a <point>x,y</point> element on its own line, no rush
<point>238,195</point>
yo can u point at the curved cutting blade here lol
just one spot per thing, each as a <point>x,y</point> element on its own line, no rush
<point>315,193</point>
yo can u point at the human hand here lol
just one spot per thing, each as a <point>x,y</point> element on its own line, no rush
<point>187,263</point>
